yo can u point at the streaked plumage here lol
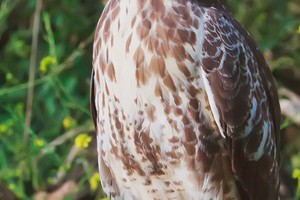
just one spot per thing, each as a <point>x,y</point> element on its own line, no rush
<point>184,104</point>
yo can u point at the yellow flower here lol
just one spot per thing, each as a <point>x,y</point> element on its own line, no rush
<point>62,168</point>
<point>298,30</point>
<point>46,62</point>
<point>3,128</point>
<point>6,126</point>
<point>39,142</point>
<point>82,141</point>
<point>296,175</point>
<point>94,181</point>
<point>69,122</point>
<point>9,76</point>
<point>12,186</point>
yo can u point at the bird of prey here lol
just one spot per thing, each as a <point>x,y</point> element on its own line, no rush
<point>184,104</point>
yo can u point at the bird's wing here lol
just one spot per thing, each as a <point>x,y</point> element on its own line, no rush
<point>243,98</point>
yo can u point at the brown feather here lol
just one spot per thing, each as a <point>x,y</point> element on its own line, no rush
<point>233,88</point>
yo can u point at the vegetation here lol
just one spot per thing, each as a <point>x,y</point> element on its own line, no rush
<point>58,150</point>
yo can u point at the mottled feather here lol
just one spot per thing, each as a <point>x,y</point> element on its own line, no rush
<point>183,102</point>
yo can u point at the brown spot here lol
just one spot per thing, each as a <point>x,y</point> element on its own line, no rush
<point>157,66</point>
<point>177,100</point>
<point>115,13</point>
<point>111,41</point>
<point>194,103</point>
<point>158,7</point>
<point>150,43</point>
<point>137,143</point>
<point>142,31</point>
<point>178,183</point>
<point>169,119</point>
<point>189,57</point>
<point>173,155</point>
<point>168,81</point>
<point>102,63</point>
<point>128,42</point>
<point>192,91</point>
<point>139,57</point>
<point>151,113</point>
<point>161,32</point>
<point>194,114</point>
<point>103,100</point>
<point>170,191</point>
<point>148,182</point>
<point>118,123</point>
<point>117,101</point>
<point>114,150</point>
<point>167,183</point>
<point>174,139</point>
<point>106,89</point>
<point>185,120</point>
<point>177,111</point>
<point>174,162</point>
<point>96,50</point>
<point>154,191</point>
<point>183,34</point>
<point>141,112</point>
<point>157,90</point>
<point>182,67</point>
<point>105,36</point>
<point>147,24</point>
<point>190,135</point>
<point>141,76</point>
<point>114,136</point>
<point>103,153</point>
<point>164,49</point>
<point>178,52</point>
<point>144,159</point>
<point>133,21</point>
<point>169,22</point>
<point>196,23</point>
<point>144,14</point>
<point>192,38</point>
<point>119,24</point>
<point>107,25</point>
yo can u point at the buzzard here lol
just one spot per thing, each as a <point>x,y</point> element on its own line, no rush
<point>184,104</point>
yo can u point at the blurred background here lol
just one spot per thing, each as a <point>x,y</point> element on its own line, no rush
<point>56,157</point>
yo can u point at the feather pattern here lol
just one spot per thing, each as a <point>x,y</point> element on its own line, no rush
<point>184,104</point>
<point>245,96</point>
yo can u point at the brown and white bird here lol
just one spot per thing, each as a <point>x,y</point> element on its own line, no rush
<point>184,104</point>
